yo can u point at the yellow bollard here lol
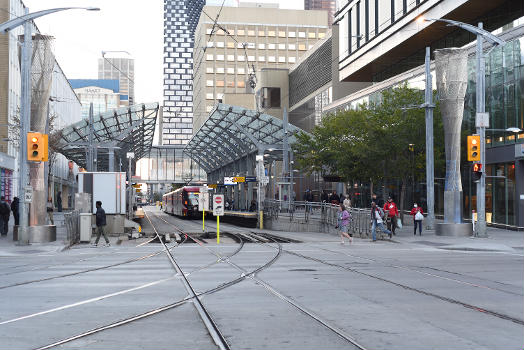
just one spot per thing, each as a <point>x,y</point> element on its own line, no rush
<point>203,218</point>
<point>218,229</point>
<point>261,216</point>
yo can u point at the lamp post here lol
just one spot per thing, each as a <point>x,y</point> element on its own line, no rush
<point>481,118</point>
<point>25,105</point>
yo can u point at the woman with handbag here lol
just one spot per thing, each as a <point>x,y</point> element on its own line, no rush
<point>418,216</point>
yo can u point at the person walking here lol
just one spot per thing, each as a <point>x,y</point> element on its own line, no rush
<point>14,209</point>
<point>347,203</point>
<point>377,222</point>
<point>50,209</point>
<point>378,201</point>
<point>391,208</point>
<point>343,218</point>
<point>100,223</point>
<point>418,216</point>
<point>59,201</point>
<point>5,212</point>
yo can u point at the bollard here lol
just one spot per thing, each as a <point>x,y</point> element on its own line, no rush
<point>218,229</point>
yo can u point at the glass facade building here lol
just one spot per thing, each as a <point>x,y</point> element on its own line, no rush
<point>180,20</point>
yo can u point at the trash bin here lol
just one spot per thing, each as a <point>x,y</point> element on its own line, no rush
<point>85,227</point>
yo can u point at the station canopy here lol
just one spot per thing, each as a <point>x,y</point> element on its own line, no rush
<point>231,133</point>
<point>126,129</point>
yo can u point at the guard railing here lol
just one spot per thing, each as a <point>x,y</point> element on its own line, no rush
<point>72,223</point>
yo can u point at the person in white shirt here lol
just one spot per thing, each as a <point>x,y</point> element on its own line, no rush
<point>376,219</point>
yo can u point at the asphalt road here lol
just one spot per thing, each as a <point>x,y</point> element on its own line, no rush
<point>309,295</point>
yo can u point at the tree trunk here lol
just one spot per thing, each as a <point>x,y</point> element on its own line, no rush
<point>402,196</point>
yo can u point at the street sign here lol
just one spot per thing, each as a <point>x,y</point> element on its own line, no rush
<point>218,205</point>
<point>238,179</point>
<point>264,180</point>
<point>229,181</point>
<point>130,155</point>
<point>213,186</point>
<point>28,194</point>
<point>251,179</point>
<point>203,200</point>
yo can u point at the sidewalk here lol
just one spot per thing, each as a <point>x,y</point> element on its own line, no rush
<point>8,247</point>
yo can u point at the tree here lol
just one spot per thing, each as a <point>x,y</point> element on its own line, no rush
<point>372,143</point>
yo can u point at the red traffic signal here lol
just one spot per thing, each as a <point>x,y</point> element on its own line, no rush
<point>476,172</point>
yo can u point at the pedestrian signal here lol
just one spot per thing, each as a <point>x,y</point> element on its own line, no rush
<point>474,148</point>
<point>37,147</point>
<point>476,172</point>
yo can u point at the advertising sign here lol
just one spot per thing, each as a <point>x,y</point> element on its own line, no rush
<point>218,205</point>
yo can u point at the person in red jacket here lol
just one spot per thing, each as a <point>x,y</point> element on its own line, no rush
<point>417,219</point>
<point>391,208</point>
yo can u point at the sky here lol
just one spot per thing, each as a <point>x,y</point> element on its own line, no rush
<point>121,25</point>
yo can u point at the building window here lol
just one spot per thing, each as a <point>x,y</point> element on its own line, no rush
<point>220,70</point>
<point>292,47</point>
<point>220,44</point>
<point>209,82</point>
<point>301,34</point>
<point>220,57</point>
<point>271,33</point>
<point>261,58</point>
<point>292,59</point>
<point>281,59</point>
<point>230,70</point>
<point>251,58</point>
<point>209,96</point>
<point>271,46</point>
<point>321,35</point>
<point>210,70</point>
<point>312,35</point>
<point>261,33</point>
<point>302,47</point>
<point>241,70</point>
<point>230,57</point>
<point>271,59</point>
<point>241,32</point>
<point>281,46</point>
<point>209,57</point>
<point>241,84</point>
<point>281,34</point>
<point>270,97</point>
<point>292,34</point>
<point>251,32</point>
<point>261,46</point>
<point>241,58</point>
<point>230,84</point>
<point>230,45</point>
<point>220,83</point>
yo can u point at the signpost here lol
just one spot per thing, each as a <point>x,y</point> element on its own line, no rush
<point>229,181</point>
<point>218,211</point>
<point>203,204</point>
<point>238,179</point>
<point>251,179</point>
<point>28,194</point>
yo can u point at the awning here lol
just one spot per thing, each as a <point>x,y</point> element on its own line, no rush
<point>127,129</point>
<point>231,133</point>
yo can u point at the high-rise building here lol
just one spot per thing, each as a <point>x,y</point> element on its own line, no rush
<point>122,69</point>
<point>180,20</point>
<point>326,5</point>
<point>104,94</point>
<point>256,38</point>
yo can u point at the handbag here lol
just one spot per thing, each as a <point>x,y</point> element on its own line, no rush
<point>399,223</point>
<point>419,216</point>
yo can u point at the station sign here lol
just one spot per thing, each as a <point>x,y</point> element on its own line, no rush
<point>218,205</point>
<point>213,186</point>
<point>238,179</point>
<point>251,179</point>
<point>229,181</point>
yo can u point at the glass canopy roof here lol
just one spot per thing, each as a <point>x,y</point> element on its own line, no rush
<point>127,129</point>
<point>231,133</point>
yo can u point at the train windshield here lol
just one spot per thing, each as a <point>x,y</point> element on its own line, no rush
<point>193,198</point>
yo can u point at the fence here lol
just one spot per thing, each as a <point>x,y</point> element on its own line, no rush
<point>315,215</point>
<point>72,223</point>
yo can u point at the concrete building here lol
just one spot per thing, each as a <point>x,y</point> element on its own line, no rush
<point>103,93</point>
<point>123,70</point>
<point>257,38</point>
<point>326,5</point>
<point>180,20</point>
<point>64,106</point>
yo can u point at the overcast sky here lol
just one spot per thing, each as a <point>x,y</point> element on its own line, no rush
<point>127,25</point>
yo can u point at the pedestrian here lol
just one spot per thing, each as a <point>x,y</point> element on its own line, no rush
<point>324,196</point>
<point>377,222</point>
<point>14,209</point>
<point>378,201</point>
<point>418,216</point>
<point>253,206</point>
<point>49,209</point>
<point>59,201</point>
<point>5,212</point>
<point>343,218</point>
<point>391,208</point>
<point>100,223</point>
<point>347,203</point>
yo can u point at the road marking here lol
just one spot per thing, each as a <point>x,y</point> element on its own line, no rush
<point>87,301</point>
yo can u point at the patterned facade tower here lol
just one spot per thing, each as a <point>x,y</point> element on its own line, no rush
<point>180,20</point>
<point>328,5</point>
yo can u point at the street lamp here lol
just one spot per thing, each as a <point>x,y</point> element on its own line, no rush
<point>25,103</point>
<point>481,118</point>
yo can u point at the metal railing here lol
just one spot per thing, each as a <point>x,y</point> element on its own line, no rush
<point>72,223</point>
<point>317,213</point>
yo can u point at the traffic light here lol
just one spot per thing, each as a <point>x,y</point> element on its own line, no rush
<point>37,147</point>
<point>474,148</point>
<point>476,172</point>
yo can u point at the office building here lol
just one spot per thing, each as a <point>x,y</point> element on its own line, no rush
<point>123,70</point>
<point>104,94</point>
<point>257,38</point>
<point>180,20</point>
<point>326,5</point>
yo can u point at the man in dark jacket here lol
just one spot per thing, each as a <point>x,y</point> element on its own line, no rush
<point>14,209</point>
<point>100,223</point>
<point>5,212</point>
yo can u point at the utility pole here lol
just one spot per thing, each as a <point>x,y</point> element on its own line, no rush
<point>430,172</point>
<point>91,158</point>
<point>25,119</point>
<point>285,155</point>
<point>481,121</point>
